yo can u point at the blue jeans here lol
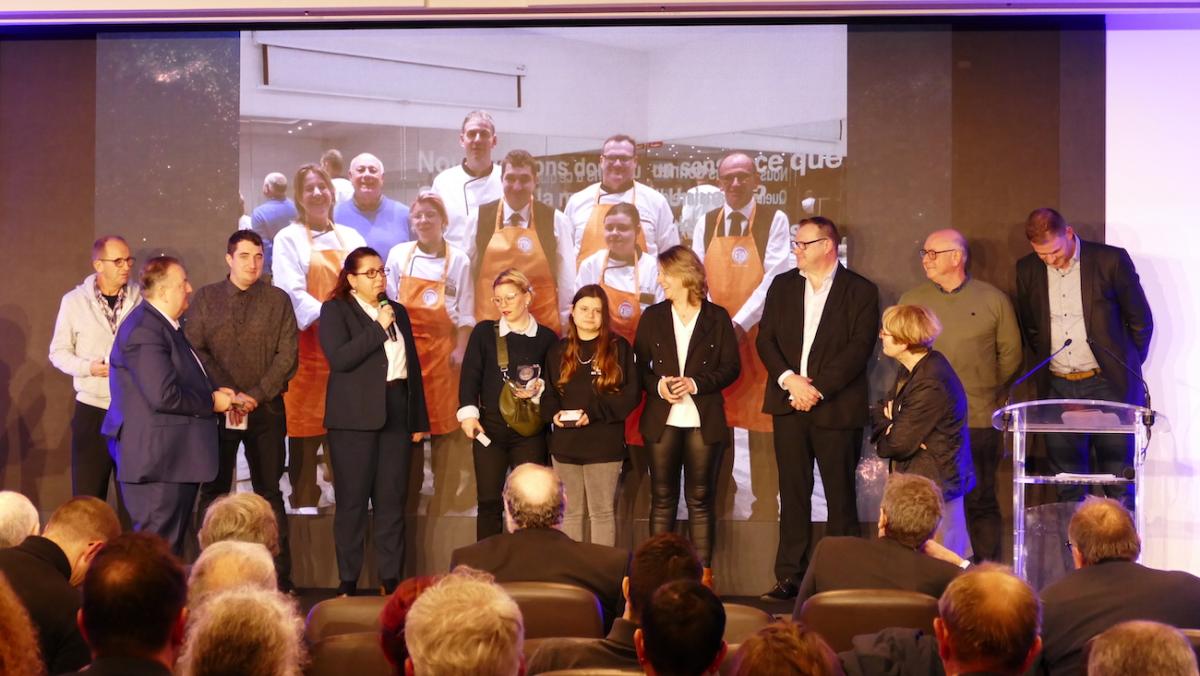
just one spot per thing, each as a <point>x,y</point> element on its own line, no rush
<point>1073,452</point>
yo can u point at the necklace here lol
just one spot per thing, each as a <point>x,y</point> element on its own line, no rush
<point>585,363</point>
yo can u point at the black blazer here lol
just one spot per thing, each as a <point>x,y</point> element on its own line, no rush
<point>712,361</point>
<point>353,343</point>
<point>840,351</point>
<point>40,575</point>
<point>1115,313</point>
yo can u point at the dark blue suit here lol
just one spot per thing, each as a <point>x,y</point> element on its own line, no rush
<point>161,425</point>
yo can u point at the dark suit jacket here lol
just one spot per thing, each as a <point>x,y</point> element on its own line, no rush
<point>857,563</point>
<point>712,361</point>
<point>39,573</point>
<point>1092,599</point>
<point>549,555</point>
<point>124,666</point>
<point>615,651</point>
<point>161,417</point>
<point>353,343</point>
<point>1115,313</point>
<point>837,363</point>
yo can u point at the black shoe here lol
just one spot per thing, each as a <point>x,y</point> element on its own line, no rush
<point>782,591</point>
<point>387,586</point>
<point>346,588</point>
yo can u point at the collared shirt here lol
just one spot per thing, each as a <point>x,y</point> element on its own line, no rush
<point>776,259</point>
<point>509,211</point>
<point>685,413</point>
<point>530,330</point>
<point>814,306</point>
<point>745,211</point>
<point>394,349</point>
<point>1066,318</point>
<point>112,313</point>
<point>460,289</point>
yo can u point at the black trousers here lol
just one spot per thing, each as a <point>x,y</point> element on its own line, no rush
<point>372,466</point>
<point>984,523</point>
<point>91,464</point>
<point>683,449</point>
<point>163,508</point>
<point>797,443</point>
<point>265,455</point>
<point>508,449</point>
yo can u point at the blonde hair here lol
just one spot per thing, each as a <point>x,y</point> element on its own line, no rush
<point>244,517</point>
<point>245,631</point>
<point>913,325</point>
<point>465,625</point>
<point>683,263</point>
<point>516,278</point>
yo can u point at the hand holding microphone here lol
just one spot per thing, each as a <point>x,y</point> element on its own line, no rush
<point>387,317</point>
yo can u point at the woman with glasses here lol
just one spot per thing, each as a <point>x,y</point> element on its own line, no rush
<point>592,388</point>
<point>921,428</point>
<point>687,353</point>
<point>498,446</point>
<point>374,411</point>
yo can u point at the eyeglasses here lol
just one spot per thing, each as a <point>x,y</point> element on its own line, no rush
<point>372,273</point>
<point>804,245</point>
<point>930,253</point>
<point>505,299</point>
<point>741,177</point>
<point>120,262</point>
<point>618,159</point>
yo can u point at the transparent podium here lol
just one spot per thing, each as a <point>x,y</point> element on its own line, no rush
<point>1061,416</point>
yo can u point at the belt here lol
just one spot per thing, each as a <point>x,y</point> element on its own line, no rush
<point>1078,375</point>
<point>397,382</point>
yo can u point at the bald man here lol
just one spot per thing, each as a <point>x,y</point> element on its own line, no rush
<point>381,220</point>
<point>981,339</point>
<point>274,214</point>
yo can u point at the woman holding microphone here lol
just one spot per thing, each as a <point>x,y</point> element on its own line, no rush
<point>486,371</point>
<point>592,386</point>
<point>374,412</point>
<point>687,353</point>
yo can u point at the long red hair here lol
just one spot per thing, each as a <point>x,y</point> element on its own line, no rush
<point>605,359</point>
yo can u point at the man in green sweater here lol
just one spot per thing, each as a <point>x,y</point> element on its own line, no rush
<point>981,339</point>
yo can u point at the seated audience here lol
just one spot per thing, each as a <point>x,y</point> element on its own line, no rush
<point>45,571</point>
<point>465,625</point>
<point>243,517</point>
<point>786,649</point>
<point>1107,587</point>
<point>682,630</point>
<point>1141,648</point>
<point>661,559</point>
<point>19,653</point>
<point>394,614</point>
<point>535,550</point>
<point>248,632</point>
<point>909,515</point>
<point>228,565</point>
<point>133,612</point>
<point>18,519</point>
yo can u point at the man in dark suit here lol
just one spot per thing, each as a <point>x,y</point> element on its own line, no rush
<point>818,330</point>
<point>1088,293</point>
<point>1107,587</point>
<point>908,517</point>
<point>161,423</point>
<point>535,550</point>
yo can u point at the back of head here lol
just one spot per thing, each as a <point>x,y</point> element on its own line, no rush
<point>661,559</point>
<point>912,505</point>
<point>394,616</point>
<point>682,629</point>
<point>786,648</point>
<point>228,565</point>
<point>992,619</point>
<point>81,520</point>
<point>1141,648</point>
<point>275,184</point>
<point>18,518</point>
<point>20,654</point>
<point>245,517</point>
<point>1102,529</point>
<point>133,593</point>
<point>465,625</point>
<point>533,497</point>
<point>249,632</point>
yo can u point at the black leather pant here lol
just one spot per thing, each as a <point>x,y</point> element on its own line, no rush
<point>684,449</point>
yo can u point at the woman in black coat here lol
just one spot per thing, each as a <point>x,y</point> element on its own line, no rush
<point>374,412</point>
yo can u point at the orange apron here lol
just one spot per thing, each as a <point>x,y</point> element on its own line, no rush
<point>593,232</point>
<point>435,336</point>
<point>519,248</point>
<point>304,400</point>
<point>734,271</point>
<point>624,311</point>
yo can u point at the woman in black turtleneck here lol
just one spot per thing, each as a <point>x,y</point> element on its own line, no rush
<point>591,372</point>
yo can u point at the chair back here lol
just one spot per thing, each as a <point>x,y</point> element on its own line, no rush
<point>742,622</point>
<point>551,609</point>
<point>1193,637</point>
<point>358,654</point>
<point>349,615</point>
<point>840,615</point>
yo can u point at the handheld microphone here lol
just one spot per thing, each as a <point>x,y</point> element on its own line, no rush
<point>1027,375</point>
<point>391,329</point>
<point>1149,417</point>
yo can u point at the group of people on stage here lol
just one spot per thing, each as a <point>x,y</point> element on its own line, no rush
<point>482,309</point>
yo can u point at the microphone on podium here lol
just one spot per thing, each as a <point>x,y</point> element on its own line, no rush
<point>1149,418</point>
<point>1026,376</point>
<point>391,329</point>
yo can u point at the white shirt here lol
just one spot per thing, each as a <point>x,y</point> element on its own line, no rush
<point>658,223</point>
<point>343,190</point>
<point>697,201</point>
<point>685,413</point>
<point>778,258</point>
<point>394,349</point>
<point>289,264</point>
<point>460,290</point>
<point>463,193</point>
<point>1066,318</point>
<point>620,276</point>
<point>814,307</point>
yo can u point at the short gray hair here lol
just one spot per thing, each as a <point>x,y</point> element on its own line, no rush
<point>246,517</point>
<point>913,507</point>
<point>227,565</point>
<point>1141,647</point>
<point>244,631</point>
<point>1103,529</point>
<point>465,625</point>
<point>533,497</point>
<point>18,518</point>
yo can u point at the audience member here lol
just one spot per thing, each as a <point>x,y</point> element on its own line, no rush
<point>247,632</point>
<point>335,166</point>
<point>133,613</point>
<point>1107,587</point>
<point>228,565</point>
<point>535,550</point>
<point>661,559</point>
<point>394,615</point>
<point>44,571</point>
<point>1141,648</point>
<point>18,519</point>
<point>241,517</point>
<point>682,630</point>
<point>19,653</point>
<point>274,214</point>
<point>465,625</point>
<point>786,648</point>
